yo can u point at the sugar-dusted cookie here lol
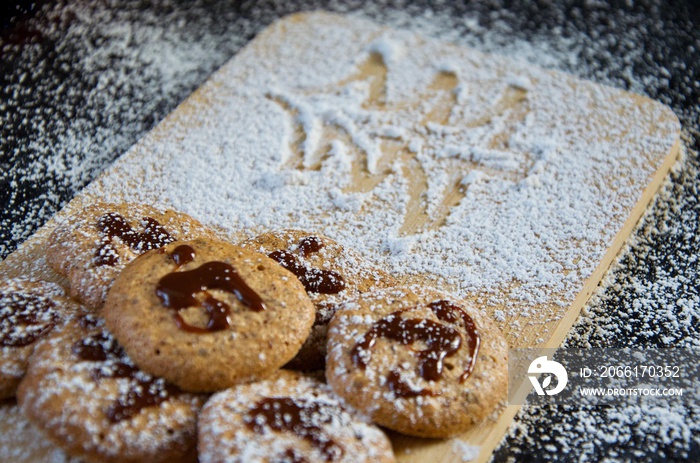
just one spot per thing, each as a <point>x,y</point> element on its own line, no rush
<point>290,417</point>
<point>84,392</point>
<point>206,314</point>
<point>417,361</point>
<point>91,247</point>
<point>22,442</point>
<point>29,310</point>
<point>330,273</point>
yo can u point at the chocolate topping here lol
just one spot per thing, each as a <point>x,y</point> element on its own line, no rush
<point>449,312</point>
<point>25,318</point>
<point>309,245</point>
<point>144,390</point>
<point>147,392</point>
<point>315,280</point>
<point>113,225</point>
<point>183,254</point>
<point>180,290</point>
<point>442,341</point>
<point>98,348</point>
<point>402,389</point>
<point>300,417</point>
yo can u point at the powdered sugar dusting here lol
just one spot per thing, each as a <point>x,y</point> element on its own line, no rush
<point>22,442</point>
<point>115,409</point>
<point>556,211</point>
<point>627,46</point>
<point>233,424</point>
<point>29,311</point>
<point>465,451</point>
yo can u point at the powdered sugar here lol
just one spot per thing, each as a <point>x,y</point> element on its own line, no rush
<point>525,150</point>
<point>630,309</point>
<point>283,414</point>
<point>22,442</point>
<point>465,451</point>
<point>610,45</point>
<point>114,407</point>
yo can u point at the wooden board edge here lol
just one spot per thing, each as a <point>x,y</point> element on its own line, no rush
<point>498,431</point>
<point>567,321</point>
<point>500,427</point>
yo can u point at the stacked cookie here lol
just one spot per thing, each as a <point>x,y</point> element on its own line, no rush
<point>29,311</point>
<point>330,274</point>
<point>175,314</point>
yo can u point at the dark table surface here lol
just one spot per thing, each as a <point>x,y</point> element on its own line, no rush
<point>82,81</point>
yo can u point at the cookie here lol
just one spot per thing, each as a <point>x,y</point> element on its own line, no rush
<point>29,310</point>
<point>206,314</point>
<point>22,442</point>
<point>287,418</point>
<point>417,361</point>
<point>85,393</point>
<point>330,273</point>
<point>92,246</point>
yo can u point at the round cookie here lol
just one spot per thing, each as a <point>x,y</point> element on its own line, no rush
<point>85,393</point>
<point>330,273</point>
<point>92,246</point>
<point>206,314</point>
<point>417,361</point>
<point>289,417</point>
<point>29,310</point>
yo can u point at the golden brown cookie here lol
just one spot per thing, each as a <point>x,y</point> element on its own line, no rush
<point>29,310</point>
<point>417,361</point>
<point>330,273</point>
<point>91,247</point>
<point>288,417</point>
<point>206,314</point>
<point>85,393</point>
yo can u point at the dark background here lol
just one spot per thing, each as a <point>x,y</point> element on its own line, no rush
<point>82,81</point>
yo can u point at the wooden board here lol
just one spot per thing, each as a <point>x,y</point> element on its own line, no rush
<point>510,185</point>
